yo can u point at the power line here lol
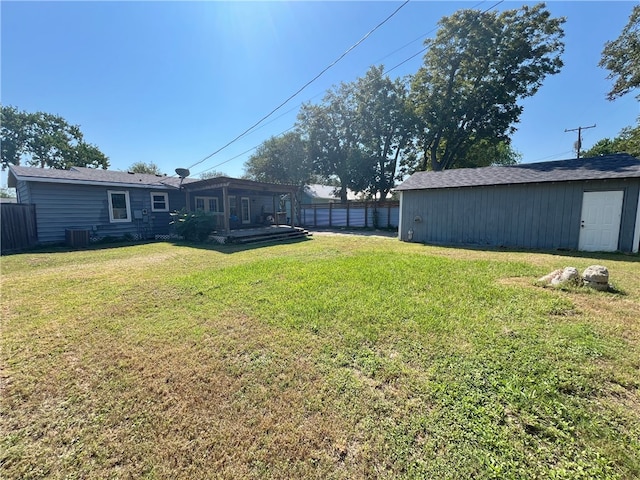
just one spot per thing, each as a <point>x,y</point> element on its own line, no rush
<point>317,76</point>
<point>304,86</point>
<point>419,38</point>
<point>550,157</point>
<point>243,153</point>
<point>430,31</point>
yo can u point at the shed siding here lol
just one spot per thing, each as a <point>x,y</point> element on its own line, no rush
<point>60,206</point>
<point>536,216</point>
<point>22,192</point>
<point>629,213</point>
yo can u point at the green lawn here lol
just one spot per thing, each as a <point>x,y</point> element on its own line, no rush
<point>337,357</point>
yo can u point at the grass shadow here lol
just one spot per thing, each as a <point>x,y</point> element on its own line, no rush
<point>235,247</point>
<point>606,256</point>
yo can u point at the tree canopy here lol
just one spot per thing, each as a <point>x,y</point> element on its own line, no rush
<point>144,167</point>
<point>359,133</point>
<point>330,131</point>
<point>280,159</point>
<point>627,141</point>
<point>385,133</point>
<point>45,140</point>
<point>458,110</point>
<point>212,174</point>
<point>622,58</point>
<point>476,69</point>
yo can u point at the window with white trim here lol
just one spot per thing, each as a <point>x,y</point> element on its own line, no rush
<point>207,204</point>
<point>159,202</point>
<point>119,206</point>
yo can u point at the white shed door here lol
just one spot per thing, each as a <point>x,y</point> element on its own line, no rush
<point>600,222</point>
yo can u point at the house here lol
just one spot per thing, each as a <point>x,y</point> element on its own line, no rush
<point>108,203</point>
<point>590,204</point>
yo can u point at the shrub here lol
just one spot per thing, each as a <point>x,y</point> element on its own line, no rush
<point>193,226</point>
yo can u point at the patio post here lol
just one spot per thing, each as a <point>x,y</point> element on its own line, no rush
<point>226,208</point>
<point>292,197</point>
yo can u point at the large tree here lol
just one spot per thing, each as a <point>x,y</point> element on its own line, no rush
<point>331,133</point>
<point>622,58</point>
<point>385,132</point>
<point>281,159</point>
<point>476,69</point>
<point>45,140</point>
<point>359,133</point>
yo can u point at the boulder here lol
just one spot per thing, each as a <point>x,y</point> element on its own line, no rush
<point>597,277</point>
<point>568,275</point>
<point>565,276</point>
<point>548,278</point>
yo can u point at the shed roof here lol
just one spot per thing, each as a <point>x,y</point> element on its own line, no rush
<point>91,176</point>
<point>620,165</point>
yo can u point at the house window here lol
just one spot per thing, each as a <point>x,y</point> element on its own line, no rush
<point>119,206</point>
<point>207,204</point>
<point>245,206</point>
<point>159,202</point>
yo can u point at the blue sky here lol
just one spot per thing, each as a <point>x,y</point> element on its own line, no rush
<point>172,82</point>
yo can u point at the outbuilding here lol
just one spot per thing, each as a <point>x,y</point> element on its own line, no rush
<point>589,204</point>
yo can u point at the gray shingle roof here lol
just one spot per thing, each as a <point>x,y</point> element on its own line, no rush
<point>620,165</point>
<point>94,176</point>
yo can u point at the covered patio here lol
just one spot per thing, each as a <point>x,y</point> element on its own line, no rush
<point>239,204</point>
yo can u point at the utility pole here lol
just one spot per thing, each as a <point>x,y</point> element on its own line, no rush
<point>579,130</point>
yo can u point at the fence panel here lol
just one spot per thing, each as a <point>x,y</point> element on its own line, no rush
<point>352,214</point>
<point>18,228</point>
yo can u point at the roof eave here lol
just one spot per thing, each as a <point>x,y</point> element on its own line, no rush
<point>25,178</point>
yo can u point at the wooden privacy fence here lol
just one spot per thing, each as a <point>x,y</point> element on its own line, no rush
<point>351,214</point>
<point>17,226</point>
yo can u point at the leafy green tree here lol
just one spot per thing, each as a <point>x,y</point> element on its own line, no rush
<point>144,167</point>
<point>45,140</point>
<point>385,131</point>
<point>486,152</point>
<point>627,141</point>
<point>86,155</point>
<point>331,133</point>
<point>476,69</point>
<point>282,159</point>
<point>14,135</point>
<point>622,58</point>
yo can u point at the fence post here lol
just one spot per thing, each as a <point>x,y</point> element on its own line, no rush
<point>330,214</point>
<point>366,215</point>
<point>348,223</point>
